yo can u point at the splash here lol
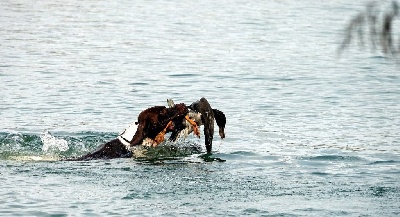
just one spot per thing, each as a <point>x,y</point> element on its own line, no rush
<point>167,151</point>
<point>47,147</point>
<point>51,143</point>
<point>34,158</point>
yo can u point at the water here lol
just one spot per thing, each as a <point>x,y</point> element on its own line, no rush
<point>307,134</point>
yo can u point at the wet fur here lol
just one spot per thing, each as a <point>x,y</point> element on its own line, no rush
<point>153,120</point>
<point>109,150</point>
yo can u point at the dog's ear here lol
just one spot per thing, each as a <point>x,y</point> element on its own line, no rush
<point>163,111</point>
<point>221,121</point>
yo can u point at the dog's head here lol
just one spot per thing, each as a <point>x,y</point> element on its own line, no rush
<point>179,110</point>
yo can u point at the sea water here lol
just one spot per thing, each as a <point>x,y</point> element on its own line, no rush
<point>308,133</point>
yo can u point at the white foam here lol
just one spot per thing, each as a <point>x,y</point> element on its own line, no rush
<point>34,158</point>
<point>51,143</point>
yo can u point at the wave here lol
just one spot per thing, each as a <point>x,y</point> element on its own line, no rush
<point>385,162</point>
<point>49,147</point>
<point>333,158</point>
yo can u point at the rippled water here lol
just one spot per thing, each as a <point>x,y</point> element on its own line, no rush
<point>308,134</point>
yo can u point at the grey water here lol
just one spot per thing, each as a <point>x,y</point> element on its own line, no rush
<point>308,133</point>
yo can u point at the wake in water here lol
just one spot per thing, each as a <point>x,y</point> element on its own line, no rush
<point>52,143</point>
<point>47,147</point>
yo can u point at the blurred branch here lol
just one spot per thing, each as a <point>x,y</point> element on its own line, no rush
<point>375,24</point>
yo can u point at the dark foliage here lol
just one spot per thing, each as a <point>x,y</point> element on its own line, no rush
<point>373,27</point>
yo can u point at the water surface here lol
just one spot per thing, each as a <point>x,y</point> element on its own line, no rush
<point>307,134</point>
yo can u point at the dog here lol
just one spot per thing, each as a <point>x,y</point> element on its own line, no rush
<point>153,123</point>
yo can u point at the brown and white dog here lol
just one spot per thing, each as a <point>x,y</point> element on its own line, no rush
<point>153,123</point>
